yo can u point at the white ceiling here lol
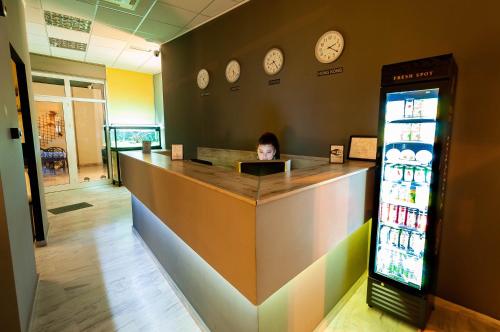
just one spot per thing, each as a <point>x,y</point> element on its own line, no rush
<point>120,38</point>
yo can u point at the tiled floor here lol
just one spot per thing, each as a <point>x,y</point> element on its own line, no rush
<point>95,275</point>
<point>85,173</point>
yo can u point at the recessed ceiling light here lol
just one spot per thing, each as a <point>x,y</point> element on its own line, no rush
<point>126,4</point>
<point>67,22</point>
<point>70,45</point>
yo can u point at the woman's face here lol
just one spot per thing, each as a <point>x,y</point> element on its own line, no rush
<point>266,151</point>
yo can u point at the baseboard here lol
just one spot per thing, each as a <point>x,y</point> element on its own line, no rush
<point>33,305</point>
<point>342,302</point>
<point>177,291</point>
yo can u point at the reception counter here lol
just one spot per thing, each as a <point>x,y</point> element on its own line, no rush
<point>248,251</point>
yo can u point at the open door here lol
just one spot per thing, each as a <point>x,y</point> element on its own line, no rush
<point>28,146</point>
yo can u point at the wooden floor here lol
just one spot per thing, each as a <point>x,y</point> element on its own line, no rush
<point>355,315</point>
<point>95,275</point>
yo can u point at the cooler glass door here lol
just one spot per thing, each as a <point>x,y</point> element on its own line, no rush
<point>406,175</point>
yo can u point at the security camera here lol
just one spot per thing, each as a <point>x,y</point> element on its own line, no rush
<point>156,53</point>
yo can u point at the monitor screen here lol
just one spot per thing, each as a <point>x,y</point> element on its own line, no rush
<point>263,167</point>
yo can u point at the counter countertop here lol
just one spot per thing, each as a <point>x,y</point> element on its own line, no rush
<point>255,189</point>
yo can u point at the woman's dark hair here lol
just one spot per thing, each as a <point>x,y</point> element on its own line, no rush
<point>270,138</point>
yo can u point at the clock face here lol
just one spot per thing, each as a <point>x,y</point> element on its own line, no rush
<point>329,46</point>
<point>273,61</point>
<point>233,71</point>
<point>203,79</point>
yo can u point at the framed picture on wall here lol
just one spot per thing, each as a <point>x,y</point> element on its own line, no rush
<point>177,152</point>
<point>362,148</point>
<point>336,154</point>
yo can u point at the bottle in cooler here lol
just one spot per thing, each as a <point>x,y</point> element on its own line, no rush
<point>398,172</point>
<point>419,174</point>
<point>416,244</point>
<point>404,239</point>
<point>405,131</point>
<point>409,108</point>
<point>422,195</point>
<point>393,213</point>
<point>394,237</point>
<point>408,173</point>
<point>429,108</point>
<point>395,110</point>
<point>422,221</point>
<point>412,194</point>
<point>417,108</point>
<point>384,212</point>
<point>428,175</point>
<point>416,131</point>
<point>411,219</point>
<point>384,235</point>
<point>402,215</point>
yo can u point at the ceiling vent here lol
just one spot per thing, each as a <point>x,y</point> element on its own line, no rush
<point>125,4</point>
<point>70,45</point>
<point>67,22</point>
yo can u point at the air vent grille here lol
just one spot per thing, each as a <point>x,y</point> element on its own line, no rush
<point>67,22</point>
<point>70,45</point>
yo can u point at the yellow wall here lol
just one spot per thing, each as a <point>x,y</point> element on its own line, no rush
<point>130,97</point>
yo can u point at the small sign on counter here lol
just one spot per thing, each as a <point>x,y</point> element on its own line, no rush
<point>177,152</point>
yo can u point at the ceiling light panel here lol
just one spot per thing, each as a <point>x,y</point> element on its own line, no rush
<point>68,44</point>
<point>126,4</point>
<point>67,22</point>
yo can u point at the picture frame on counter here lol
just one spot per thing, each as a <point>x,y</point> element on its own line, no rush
<point>362,147</point>
<point>177,152</point>
<point>336,154</point>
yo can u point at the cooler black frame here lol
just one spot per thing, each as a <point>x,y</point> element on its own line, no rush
<point>439,171</point>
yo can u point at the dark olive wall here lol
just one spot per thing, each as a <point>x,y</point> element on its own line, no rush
<point>308,112</point>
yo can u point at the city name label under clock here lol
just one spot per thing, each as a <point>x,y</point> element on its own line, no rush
<point>332,71</point>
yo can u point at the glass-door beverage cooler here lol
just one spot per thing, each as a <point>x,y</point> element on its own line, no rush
<point>414,136</point>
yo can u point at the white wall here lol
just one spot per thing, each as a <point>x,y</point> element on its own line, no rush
<point>14,209</point>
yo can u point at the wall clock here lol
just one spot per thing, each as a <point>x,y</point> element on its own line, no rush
<point>329,46</point>
<point>203,79</point>
<point>273,61</point>
<point>233,71</point>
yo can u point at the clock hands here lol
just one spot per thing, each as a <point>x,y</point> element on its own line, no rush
<point>331,47</point>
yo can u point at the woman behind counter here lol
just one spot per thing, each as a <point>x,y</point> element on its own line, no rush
<point>268,147</point>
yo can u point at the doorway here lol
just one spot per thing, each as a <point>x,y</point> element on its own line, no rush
<point>72,124</point>
<point>28,146</point>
